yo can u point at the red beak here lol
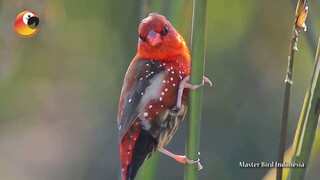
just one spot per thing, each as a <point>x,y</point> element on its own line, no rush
<point>154,38</point>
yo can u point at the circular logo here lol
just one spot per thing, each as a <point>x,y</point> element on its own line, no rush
<point>27,24</point>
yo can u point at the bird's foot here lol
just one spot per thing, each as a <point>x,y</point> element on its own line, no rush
<point>185,160</point>
<point>185,84</point>
<point>182,158</point>
<point>195,86</point>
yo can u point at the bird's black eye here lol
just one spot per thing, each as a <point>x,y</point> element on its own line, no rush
<point>142,38</point>
<point>165,30</point>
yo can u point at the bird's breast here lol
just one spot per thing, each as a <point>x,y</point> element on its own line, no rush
<point>157,113</point>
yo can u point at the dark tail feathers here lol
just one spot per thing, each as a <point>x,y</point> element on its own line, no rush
<point>144,147</point>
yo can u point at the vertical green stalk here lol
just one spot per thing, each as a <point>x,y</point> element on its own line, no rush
<point>308,123</point>
<point>300,16</point>
<point>197,68</point>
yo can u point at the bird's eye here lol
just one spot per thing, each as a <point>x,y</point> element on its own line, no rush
<point>142,38</point>
<point>165,30</point>
<point>26,17</point>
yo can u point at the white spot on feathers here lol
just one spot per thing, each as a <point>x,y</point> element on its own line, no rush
<point>160,99</point>
<point>145,114</point>
<point>171,79</point>
<point>162,93</point>
<point>166,89</point>
<point>130,100</point>
<point>150,106</point>
<point>164,81</point>
<point>142,93</point>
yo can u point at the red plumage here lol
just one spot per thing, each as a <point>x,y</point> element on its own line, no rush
<point>152,101</point>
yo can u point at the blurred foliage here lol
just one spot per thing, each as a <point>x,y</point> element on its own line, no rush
<point>304,140</point>
<point>315,156</point>
<point>59,89</point>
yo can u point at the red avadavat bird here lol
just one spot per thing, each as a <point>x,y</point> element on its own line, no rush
<point>154,95</point>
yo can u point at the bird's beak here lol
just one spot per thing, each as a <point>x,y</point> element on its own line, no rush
<point>154,38</point>
<point>33,22</point>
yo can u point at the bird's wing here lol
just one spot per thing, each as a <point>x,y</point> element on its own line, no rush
<point>141,75</point>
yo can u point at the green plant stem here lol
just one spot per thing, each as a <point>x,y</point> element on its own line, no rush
<point>286,101</point>
<point>308,123</point>
<point>197,68</point>
<point>301,5</point>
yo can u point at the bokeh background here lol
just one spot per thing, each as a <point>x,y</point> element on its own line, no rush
<point>59,90</point>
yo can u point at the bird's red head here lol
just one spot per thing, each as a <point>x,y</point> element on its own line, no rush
<point>159,40</point>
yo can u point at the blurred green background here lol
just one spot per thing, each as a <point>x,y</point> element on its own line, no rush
<point>59,90</point>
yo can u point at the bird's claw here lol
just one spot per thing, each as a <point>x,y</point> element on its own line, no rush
<point>196,86</point>
<point>196,162</point>
<point>185,160</point>
<point>206,80</point>
<point>182,158</point>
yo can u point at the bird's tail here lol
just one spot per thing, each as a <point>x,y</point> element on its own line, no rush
<point>134,148</point>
